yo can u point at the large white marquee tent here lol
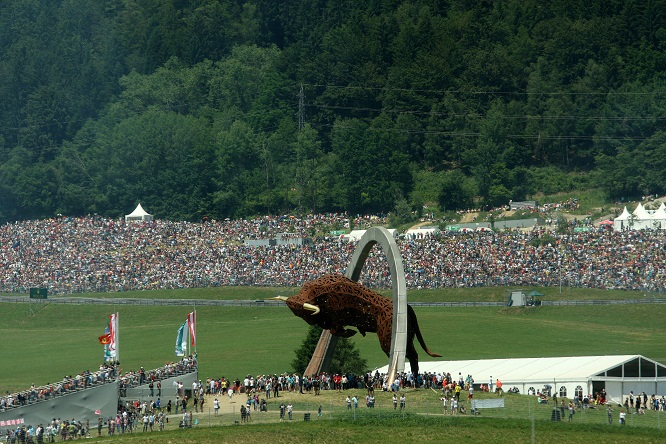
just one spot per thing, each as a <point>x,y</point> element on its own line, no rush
<point>641,219</point>
<point>567,376</point>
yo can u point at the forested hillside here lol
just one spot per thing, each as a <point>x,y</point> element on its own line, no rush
<point>223,108</point>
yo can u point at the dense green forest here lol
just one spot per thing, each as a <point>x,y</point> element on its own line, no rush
<point>225,108</point>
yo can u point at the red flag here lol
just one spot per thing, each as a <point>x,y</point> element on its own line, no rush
<point>105,339</point>
<point>191,321</point>
<point>98,412</point>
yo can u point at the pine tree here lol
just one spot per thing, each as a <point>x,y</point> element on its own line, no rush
<point>346,359</point>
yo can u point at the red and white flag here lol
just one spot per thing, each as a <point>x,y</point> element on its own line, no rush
<point>113,331</point>
<point>192,322</point>
<point>98,412</point>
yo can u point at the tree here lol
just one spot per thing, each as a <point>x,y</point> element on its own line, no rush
<point>346,358</point>
<point>456,192</point>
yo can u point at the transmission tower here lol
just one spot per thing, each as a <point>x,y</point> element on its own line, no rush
<point>301,109</point>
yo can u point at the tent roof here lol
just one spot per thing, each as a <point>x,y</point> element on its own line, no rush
<point>536,370</point>
<point>138,212</point>
<point>641,213</point>
<point>660,214</point>
<point>624,215</point>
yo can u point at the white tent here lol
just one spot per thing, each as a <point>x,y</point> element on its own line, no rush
<point>659,217</point>
<point>138,214</point>
<point>622,221</point>
<point>640,212</point>
<point>568,376</point>
<point>642,218</point>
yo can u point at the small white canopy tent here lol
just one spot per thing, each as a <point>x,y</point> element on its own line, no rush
<point>622,221</point>
<point>642,218</point>
<point>138,214</point>
<point>659,217</point>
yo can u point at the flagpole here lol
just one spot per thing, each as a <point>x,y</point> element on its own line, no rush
<point>117,342</point>
<point>195,326</point>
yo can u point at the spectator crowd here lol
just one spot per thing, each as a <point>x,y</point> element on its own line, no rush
<point>69,384</point>
<point>93,254</point>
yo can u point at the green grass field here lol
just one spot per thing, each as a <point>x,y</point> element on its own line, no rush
<point>234,341</point>
<point>408,429</point>
<point>522,420</point>
<point>62,339</point>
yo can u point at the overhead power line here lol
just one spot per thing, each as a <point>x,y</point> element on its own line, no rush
<point>477,134</point>
<point>474,115</point>
<point>488,92</point>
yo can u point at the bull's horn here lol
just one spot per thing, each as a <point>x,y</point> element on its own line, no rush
<point>280,298</point>
<point>311,308</point>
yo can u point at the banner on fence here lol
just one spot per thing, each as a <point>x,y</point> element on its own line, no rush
<point>487,403</point>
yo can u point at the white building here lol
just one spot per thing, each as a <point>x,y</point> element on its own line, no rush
<point>567,376</point>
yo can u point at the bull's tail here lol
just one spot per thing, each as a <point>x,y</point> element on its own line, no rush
<point>417,331</point>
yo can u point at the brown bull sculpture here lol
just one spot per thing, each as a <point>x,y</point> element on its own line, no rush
<point>334,302</point>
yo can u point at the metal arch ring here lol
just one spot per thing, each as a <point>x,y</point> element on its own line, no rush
<point>381,236</point>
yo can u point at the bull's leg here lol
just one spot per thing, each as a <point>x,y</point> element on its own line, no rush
<point>412,356</point>
<point>344,333</point>
<point>384,335</point>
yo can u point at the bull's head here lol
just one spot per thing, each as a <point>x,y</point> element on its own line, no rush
<point>334,302</point>
<point>299,306</point>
